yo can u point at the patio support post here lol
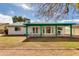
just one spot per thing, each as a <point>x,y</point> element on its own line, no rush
<point>40,30</point>
<point>56,30</point>
<point>26,31</point>
<point>70,30</point>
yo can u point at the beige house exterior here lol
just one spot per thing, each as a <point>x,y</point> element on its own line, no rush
<point>45,31</point>
<point>75,30</point>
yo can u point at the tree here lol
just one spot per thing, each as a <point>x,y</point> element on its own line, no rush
<point>14,18</point>
<point>19,19</point>
<point>52,11</point>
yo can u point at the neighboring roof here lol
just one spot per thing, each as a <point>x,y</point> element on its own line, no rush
<point>16,24</point>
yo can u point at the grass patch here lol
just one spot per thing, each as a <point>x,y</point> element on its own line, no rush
<point>6,42</point>
<point>16,41</point>
<point>54,42</point>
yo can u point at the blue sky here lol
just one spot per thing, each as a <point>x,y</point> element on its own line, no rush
<point>15,9</point>
<point>25,10</point>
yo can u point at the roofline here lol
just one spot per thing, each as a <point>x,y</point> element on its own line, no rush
<point>15,25</point>
<point>49,24</point>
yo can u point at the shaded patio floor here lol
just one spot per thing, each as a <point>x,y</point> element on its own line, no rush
<point>52,39</point>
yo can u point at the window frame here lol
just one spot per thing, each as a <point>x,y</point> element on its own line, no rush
<point>17,28</point>
<point>52,29</point>
<point>48,29</point>
<point>59,28</point>
<point>43,30</point>
<point>36,29</point>
<point>33,29</point>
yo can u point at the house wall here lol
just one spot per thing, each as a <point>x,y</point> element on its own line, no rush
<point>65,31</point>
<point>30,31</point>
<point>11,31</point>
<point>48,34</point>
<point>62,31</point>
<point>75,30</point>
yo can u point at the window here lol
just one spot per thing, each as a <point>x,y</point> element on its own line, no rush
<point>59,28</point>
<point>33,30</point>
<point>17,28</point>
<point>48,29</point>
<point>36,29</point>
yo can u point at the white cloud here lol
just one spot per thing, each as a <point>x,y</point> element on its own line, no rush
<point>11,12</point>
<point>24,6</point>
<point>5,19</point>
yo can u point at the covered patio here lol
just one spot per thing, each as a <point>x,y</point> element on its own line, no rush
<point>55,25</point>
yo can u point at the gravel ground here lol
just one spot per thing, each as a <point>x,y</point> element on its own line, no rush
<point>39,52</point>
<point>13,46</point>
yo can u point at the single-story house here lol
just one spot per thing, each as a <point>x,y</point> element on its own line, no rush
<point>16,28</point>
<point>43,29</point>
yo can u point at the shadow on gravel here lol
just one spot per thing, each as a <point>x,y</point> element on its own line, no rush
<point>11,35</point>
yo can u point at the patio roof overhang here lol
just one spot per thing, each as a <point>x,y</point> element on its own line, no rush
<point>49,24</point>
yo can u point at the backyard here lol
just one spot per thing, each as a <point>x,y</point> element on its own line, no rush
<point>17,45</point>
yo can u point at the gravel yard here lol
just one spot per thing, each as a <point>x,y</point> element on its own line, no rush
<point>14,46</point>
